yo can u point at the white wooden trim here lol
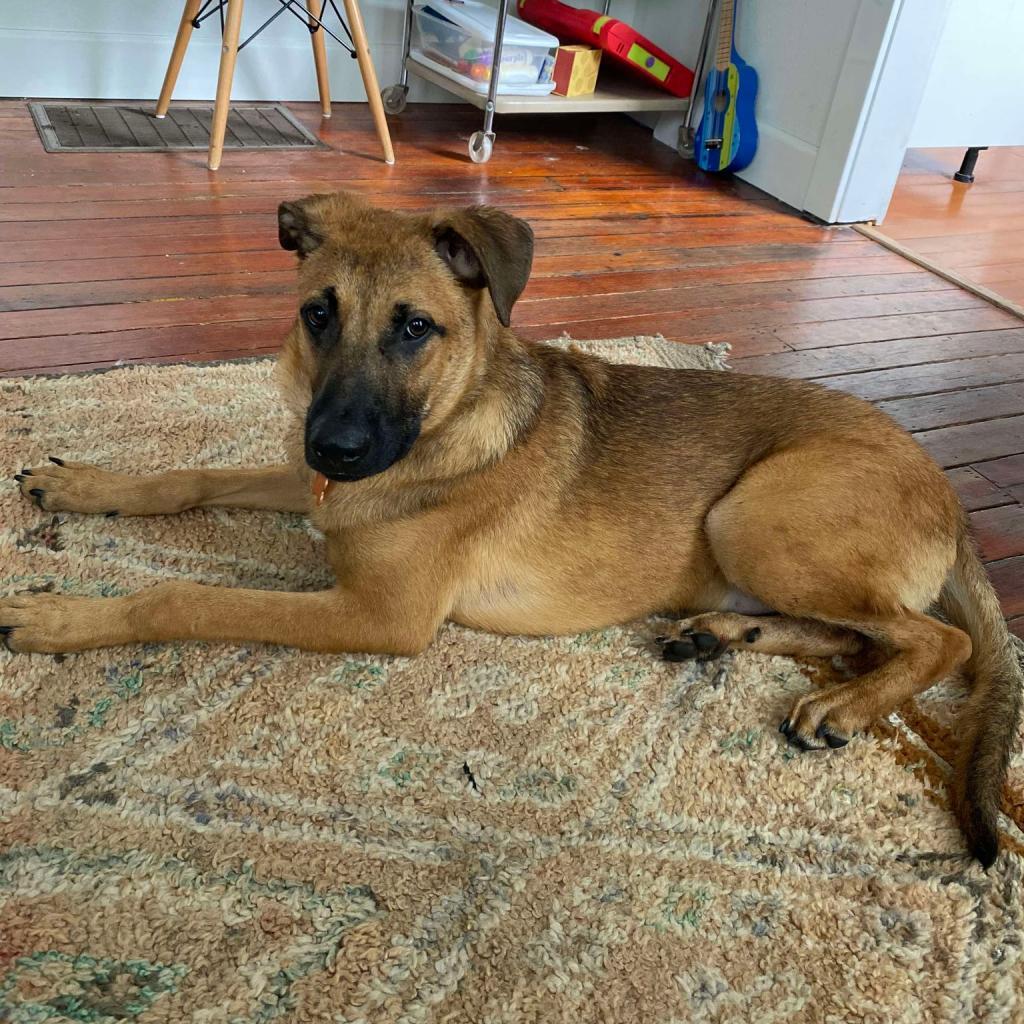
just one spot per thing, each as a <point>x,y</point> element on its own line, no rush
<point>885,70</point>
<point>869,231</point>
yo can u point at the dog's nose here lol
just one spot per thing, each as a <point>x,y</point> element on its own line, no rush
<point>348,444</point>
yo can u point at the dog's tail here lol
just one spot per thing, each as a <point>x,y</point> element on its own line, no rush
<point>988,725</point>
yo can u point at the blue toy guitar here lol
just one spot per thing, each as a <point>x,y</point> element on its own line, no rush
<point>727,137</point>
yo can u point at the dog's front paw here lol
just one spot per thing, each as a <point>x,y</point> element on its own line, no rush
<point>50,623</point>
<point>60,486</point>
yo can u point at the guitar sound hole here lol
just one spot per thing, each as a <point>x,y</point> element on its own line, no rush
<point>720,101</point>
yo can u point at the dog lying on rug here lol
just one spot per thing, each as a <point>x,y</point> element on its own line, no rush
<point>460,473</point>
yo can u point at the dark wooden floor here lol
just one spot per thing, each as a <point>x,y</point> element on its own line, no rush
<point>149,257</point>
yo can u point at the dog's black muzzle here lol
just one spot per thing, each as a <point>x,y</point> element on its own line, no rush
<point>351,438</point>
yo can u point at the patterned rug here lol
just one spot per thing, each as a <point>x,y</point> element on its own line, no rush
<point>501,831</point>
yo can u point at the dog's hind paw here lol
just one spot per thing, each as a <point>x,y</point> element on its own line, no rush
<point>824,718</point>
<point>690,645</point>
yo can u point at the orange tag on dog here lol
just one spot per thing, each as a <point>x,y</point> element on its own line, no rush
<point>320,486</point>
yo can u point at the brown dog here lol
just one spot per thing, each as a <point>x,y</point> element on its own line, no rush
<point>516,488</point>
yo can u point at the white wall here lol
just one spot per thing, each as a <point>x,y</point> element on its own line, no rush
<point>975,91</point>
<point>118,49</point>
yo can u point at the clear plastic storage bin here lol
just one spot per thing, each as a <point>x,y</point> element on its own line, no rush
<point>457,40</point>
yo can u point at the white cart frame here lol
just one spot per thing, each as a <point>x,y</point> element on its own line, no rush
<point>624,96</point>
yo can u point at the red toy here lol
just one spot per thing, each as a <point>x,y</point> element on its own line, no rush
<point>623,44</point>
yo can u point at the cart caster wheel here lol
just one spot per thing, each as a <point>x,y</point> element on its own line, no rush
<point>686,147</point>
<point>395,97</point>
<point>480,146</point>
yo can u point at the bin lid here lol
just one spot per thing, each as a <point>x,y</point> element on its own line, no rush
<point>481,19</point>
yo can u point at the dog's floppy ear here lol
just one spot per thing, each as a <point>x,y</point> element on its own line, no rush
<point>297,226</point>
<point>486,247</point>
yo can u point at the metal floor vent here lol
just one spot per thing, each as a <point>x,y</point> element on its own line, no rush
<point>108,127</point>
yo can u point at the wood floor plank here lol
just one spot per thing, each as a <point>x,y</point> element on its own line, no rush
<point>42,323</point>
<point>106,293</point>
<point>929,411</point>
<point>975,491</point>
<point>124,269</point>
<point>744,283</point>
<point>931,378</point>
<point>208,341</point>
<point>999,532</point>
<point>880,355</point>
<point>739,317</point>
<point>1003,472</point>
<point>971,442</point>
<point>1007,577</point>
<point>889,328</point>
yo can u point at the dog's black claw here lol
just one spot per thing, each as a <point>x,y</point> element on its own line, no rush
<point>679,650</point>
<point>36,492</point>
<point>753,635</point>
<point>55,460</point>
<point>4,630</point>
<point>661,639</point>
<point>784,727</point>
<point>799,742</point>
<point>26,472</point>
<point>113,512</point>
<point>832,739</point>
<point>20,477</point>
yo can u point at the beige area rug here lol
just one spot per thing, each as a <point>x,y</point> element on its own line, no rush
<point>501,831</point>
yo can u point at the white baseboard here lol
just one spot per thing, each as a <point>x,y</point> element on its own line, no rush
<point>782,167</point>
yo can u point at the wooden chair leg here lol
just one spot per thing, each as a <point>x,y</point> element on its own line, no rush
<point>355,23</point>
<point>228,55</point>
<point>315,8</point>
<point>177,56</point>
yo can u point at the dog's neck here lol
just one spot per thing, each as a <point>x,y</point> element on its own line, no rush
<point>497,409</point>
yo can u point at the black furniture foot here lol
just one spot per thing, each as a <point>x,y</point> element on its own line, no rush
<point>966,172</point>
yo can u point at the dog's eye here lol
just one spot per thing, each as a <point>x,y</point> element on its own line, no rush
<point>316,316</point>
<point>417,328</point>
